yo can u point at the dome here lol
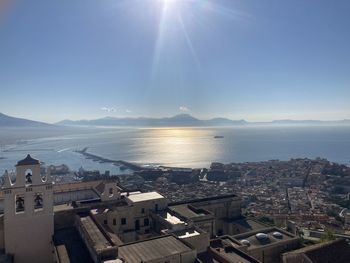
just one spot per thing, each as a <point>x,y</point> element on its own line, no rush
<point>245,242</point>
<point>261,236</point>
<point>277,234</point>
<point>28,161</point>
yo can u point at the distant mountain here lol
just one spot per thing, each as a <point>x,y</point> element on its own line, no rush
<point>177,120</point>
<point>311,122</point>
<point>188,120</point>
<point>224,122</point>
<point>8,121</point>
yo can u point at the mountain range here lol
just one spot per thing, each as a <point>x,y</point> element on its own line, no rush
<point>177,120</point>
<point>188,120</point>
<point>9,121</point>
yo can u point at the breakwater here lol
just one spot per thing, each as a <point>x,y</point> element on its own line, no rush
<point>122,164</point>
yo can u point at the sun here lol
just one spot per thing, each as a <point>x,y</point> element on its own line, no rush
<point>168,3</point>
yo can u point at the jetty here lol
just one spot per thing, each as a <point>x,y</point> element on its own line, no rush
<point>100,159</point>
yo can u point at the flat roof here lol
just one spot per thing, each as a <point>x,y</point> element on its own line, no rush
<point>141,197</point>
<point>228,250</point>
<point>97,237</point>
<point>152,249</point>
<point>249,224</point>
<point>271,239</point>
<point>187,211</point>
<point>233,256</point>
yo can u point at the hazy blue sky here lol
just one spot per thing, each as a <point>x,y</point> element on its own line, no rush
<point>257,60</point>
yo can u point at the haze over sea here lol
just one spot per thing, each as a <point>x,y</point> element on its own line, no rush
<point>178,147</point>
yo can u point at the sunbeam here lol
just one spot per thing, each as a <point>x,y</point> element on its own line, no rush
<point>187,17</point>
<point>188,41</point>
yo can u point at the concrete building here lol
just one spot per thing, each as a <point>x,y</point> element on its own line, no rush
<point>336,251</point>
<point>268,244</point>
<point>158,250</point>
<point>225,249</point>
<point>198,217</point>
<point>225,209</point>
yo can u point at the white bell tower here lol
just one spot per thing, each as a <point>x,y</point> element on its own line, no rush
<point>28,214</point>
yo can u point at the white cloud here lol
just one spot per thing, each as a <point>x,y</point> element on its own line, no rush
<point>128,111</point>
<point>184,108</point>
<point>108,109</point>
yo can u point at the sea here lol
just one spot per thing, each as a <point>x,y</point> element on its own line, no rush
<point>175,147</point>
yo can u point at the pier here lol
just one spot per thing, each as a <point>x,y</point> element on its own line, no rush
<point>96,158</point>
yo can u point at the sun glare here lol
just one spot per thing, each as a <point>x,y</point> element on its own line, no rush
<point>168,3</point>
<point>185,16</point>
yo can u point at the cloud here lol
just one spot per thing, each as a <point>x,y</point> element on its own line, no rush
<point>108,109</point>
<point>184,108</point>
<point>128,111</point>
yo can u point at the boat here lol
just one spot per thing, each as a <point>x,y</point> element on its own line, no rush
<point>218,137</point>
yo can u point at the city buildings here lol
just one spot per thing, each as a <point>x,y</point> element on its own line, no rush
<point>99,221</point>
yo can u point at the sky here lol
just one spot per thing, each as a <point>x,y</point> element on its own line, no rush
<point>240,59</point>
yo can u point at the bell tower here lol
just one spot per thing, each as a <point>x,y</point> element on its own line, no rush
<point>28,213</point>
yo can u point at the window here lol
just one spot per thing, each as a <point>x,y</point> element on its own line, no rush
<point>38,201</point>
<point>142,210</point>
<point>114,222</point>
<point>105,221</point>
<point>28,173</point>
<point>137,225</point>
<point>156,207</point>
<point>123,221</point>
<point>146,222</point>
<point>19,203</point>
<point>110,191</point>
<point>220,232</point>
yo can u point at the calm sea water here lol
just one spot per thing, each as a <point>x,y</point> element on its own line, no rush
<point>181,147</point>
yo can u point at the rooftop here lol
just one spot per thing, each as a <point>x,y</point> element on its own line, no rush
<point>75,247</point>
<point>248,224</point>
<point>97,238</point>
<point>224,249</point>
<point>189,211</point>
<point>141,197</point>
<point>67,187</point>
<point>28,161</point>
<point>263,237</point>
<point>152,249</point>
<point>325,252</point>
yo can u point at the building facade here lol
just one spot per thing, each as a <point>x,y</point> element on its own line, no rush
<point>28,214</point>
